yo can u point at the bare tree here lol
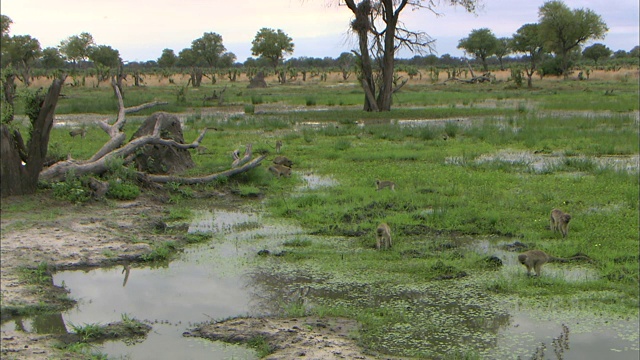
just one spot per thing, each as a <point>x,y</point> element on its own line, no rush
<point>380,35</point>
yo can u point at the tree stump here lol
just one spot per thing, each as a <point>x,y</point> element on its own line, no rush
<point>161,159</point>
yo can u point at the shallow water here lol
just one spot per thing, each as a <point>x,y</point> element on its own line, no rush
<point>224,278</point>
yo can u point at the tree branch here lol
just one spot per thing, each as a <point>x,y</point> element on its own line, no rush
<point>202,179</point>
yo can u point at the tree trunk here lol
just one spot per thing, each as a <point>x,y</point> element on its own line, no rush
<point>386,89</point>
<point>18,177</point>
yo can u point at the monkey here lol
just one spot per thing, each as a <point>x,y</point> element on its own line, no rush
<point>536,258</point>
<point>560,222</point>
<point>82,132</point>
<point>383,236</point>
<point>280,170</point>
<point>278,146</point>
<point>283,160</point>
<point>383,184</point>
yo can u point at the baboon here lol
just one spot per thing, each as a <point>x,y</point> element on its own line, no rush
<point>82,132</point>
<point>383,184</point>
<point>201,150</point>
<point>278,146</point>
<point>283,160</point>
<point>383,236</point>
<point>280,170</point>
<point>560,221</point>
<point>536,258</point>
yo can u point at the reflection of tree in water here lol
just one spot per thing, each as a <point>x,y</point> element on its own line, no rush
<point>42,324</point>
<point>273,292</point>
<point>435,318</point>
<point>560,344</point>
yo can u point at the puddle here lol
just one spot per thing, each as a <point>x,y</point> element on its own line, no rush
<point>313,181</point>
<point>544,162</point>
<point>575,272</point>
<point>207,281</point>
<point>223,278</point>
<point>574,338</point>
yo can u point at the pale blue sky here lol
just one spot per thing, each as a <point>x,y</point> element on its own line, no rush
<point>141,29</point>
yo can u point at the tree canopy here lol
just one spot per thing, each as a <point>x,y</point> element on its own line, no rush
<point>272,45</point>
<point>209,48</point>
<point>596,52</point>
<point>564,30</point>
<point>76,48</point>
<point>527,41</point>
<point>481,43</point>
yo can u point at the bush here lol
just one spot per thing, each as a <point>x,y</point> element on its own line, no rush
<point>72,189</point>
<point>122,191</point>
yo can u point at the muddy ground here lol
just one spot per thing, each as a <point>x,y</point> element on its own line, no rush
<point>102,233</point>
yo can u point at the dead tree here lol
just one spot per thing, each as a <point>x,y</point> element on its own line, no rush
<point>22,167</point>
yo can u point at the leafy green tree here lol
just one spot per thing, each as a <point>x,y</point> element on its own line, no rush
<point>105,58</point>
<point>346,61</point>
<point>20,52</point>
<point>596,52</point>
<point>635,52</point>
<point>76,48</point>
<point>168,59</point>
<point>527,41</point>
<point>227,60</point>
<point>105,55</point>
<point>481,43</point>
<point>272,45</point>
<point>187,58</point>
<point>209,48</point>
<point>51,58</point>
<point>564,30</point>
<point>503,49</point>
<point>5,24</point>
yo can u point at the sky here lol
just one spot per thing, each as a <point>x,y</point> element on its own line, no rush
<point>141,29</point>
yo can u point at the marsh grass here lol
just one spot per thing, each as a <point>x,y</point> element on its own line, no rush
<point>447,196</point>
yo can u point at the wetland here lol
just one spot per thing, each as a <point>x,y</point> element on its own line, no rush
<point>256,266</point>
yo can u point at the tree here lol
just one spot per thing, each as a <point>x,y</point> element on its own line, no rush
<point>22,51</point>
<point>527,41</point>
<point>76,48</point>
<point>168,59</point>
<point>51,58</point>
<point>596,52</point>
<point>105,58</point>
<point>209,48</point>
<point>503,49</point>
<point>272,45</point>
<point>481,43</point>
<point>565,30</point>
<point>380,35</point>
<point>22,167</point>
<point>346,61</point>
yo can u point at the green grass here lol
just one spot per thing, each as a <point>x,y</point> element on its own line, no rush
<point>490,163</point>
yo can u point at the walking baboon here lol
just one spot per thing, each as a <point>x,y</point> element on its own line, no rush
<point>282,160</point>
<point>82,132</point>
<point>560,222</point>
<point>383,184</point>
<point>280,170</point>
<point>278,146</point>
<point>534,259</point>
<point>383,236</point>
